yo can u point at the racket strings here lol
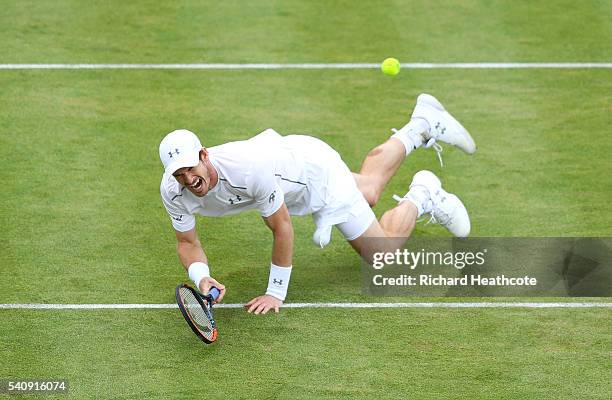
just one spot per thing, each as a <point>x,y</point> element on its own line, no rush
<point>195,311</point>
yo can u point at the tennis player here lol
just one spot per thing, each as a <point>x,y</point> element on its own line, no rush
<point>282,176</point>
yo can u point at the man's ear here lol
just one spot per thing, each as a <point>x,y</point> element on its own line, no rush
<point>203,154</point>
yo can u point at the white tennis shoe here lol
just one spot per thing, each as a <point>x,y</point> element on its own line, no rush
<point>444,208</point>
<point>443,126</point>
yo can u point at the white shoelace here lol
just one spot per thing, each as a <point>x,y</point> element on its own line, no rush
<point>431,143</point>
<point>439,217</point>
<point>398,198</point>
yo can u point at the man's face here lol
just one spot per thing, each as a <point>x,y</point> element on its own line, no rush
<point>196,178</point>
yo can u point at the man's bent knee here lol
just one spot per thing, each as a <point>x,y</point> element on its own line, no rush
<point>368,188</point>
<point>371,195</point>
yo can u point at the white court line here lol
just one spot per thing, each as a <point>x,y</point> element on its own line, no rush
<point>317,305</point>
<point>311,66</point>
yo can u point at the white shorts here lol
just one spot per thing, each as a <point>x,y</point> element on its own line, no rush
<point>333,198</point>
<point>345,207</point>
<point>348,211</point>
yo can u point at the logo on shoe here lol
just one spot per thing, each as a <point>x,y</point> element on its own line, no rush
<point>440,128</point>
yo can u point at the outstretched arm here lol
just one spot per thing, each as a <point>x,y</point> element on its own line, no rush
<point>194,260</point>
<point>282,230</point>
<point>280,270</point>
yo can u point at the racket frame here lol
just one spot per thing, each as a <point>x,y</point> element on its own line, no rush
<point>206,303</point>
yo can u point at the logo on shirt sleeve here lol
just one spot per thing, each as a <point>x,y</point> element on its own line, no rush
<point>272,197</point>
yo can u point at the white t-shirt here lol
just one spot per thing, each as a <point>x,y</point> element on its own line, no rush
<point>260,173</point>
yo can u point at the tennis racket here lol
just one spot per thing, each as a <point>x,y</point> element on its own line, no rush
<point>197,310</point>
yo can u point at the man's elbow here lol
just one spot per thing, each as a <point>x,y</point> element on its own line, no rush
<point>284,231</point>
<point>184,245</point>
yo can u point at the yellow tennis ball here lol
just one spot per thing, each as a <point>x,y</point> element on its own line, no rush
<point>390,66</point>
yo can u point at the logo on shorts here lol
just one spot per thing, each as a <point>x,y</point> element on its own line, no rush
<point>170,153</point>
<point>179,218</point>
<point>272,197</point>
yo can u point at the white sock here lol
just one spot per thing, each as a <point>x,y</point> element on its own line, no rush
<point>410,134</point>
<point>419,196</point>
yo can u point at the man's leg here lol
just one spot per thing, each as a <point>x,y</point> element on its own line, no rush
<point>395,227</point>
<point>382,162</point>
<point>429,123</point>
<point>426,195</point>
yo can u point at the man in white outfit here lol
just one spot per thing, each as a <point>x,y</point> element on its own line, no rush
<point>301,175</point>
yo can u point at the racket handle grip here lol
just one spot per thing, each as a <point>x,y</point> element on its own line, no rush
<point>214,293</point>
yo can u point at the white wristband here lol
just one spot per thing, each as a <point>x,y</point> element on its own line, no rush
<point>198,271</point>
<point>278,282</point>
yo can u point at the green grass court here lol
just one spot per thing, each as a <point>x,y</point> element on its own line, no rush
<point>82,220</point>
